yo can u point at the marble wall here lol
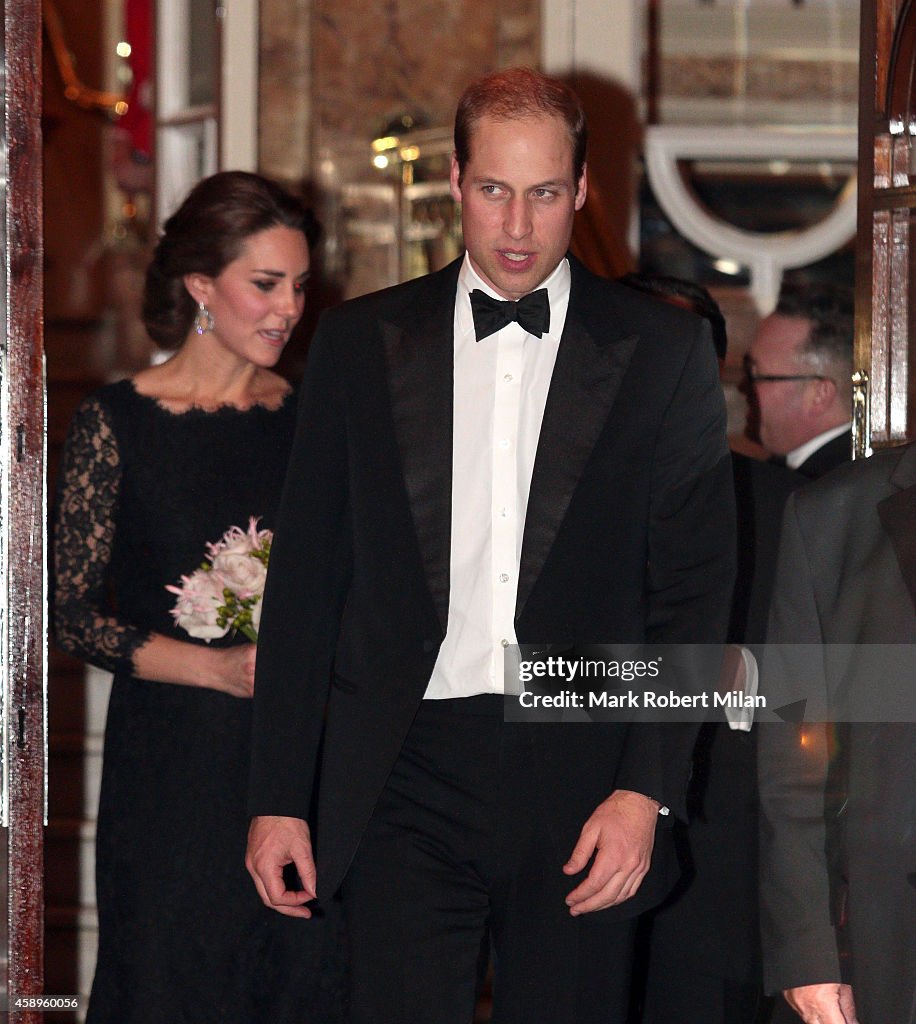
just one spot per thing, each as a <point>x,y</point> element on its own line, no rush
<point>335,74</point>
<point>285,99</point>
<point>373,62</point>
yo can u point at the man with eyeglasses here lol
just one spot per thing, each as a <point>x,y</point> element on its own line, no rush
<point>797,379</point>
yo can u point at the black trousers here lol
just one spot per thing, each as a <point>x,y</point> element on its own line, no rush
<point>456,848</point>
<point>699,952</point>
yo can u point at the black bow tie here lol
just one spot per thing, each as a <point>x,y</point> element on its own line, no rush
<point>490,315</point>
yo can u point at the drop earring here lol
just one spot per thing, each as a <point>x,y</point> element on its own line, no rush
<point>203,322</point>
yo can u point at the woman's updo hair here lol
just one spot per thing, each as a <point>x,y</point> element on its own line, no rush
<point>204,235</point>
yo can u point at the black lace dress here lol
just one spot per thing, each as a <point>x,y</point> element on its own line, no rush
<point>183,936</point>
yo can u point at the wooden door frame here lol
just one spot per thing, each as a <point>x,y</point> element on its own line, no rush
<point>23,516</point>
<point>883,383</point>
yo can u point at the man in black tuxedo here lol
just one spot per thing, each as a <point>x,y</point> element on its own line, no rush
<point>798,378</point>
<point>548,468</point>
<point>838,802</point>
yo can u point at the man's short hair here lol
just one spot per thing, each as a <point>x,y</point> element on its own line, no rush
<point>830,309</point>
<point>684,293</point>
<point>517,93</point>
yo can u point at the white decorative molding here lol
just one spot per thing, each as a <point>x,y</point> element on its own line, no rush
<point>767,254</point>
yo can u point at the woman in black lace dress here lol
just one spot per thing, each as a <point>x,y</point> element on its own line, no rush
<point>154,468</point>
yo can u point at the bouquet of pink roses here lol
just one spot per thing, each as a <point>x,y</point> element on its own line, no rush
<point>225,592</point>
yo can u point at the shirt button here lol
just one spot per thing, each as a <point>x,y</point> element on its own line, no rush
<point>503,577</point>
<point>504,642</point>
<point>504,443</point>
<point>508,378</point>
<point>503,513</point>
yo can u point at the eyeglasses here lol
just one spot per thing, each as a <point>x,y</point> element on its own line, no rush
<point>752,377</point>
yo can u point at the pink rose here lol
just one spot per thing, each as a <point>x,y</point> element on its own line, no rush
<point>199,596</point>
<point>237,567</point>
<point>241,572</point>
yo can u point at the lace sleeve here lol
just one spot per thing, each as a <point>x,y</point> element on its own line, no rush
<point>85,520</point>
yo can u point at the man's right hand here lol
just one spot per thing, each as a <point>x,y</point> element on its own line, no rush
<point>823,1004</point>
<point>273,843</point>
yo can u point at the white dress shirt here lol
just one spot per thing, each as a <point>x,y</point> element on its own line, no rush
<point>741,719</point>
<point>500,391</point>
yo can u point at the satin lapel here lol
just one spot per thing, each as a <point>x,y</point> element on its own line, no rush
<point>585,382</point>
<point>898,517</point>
<point>420,361</point>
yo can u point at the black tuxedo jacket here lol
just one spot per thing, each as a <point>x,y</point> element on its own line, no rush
<point>628,537</point>
<point>829,456</point>
<point>761,492</point>
<point>838,860</point>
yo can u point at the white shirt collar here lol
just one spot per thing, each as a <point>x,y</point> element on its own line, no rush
<point>804,452</point>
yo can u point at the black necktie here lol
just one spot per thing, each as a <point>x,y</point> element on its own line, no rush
<point>490,315</point>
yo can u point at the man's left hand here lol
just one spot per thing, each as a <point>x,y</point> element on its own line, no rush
<point>620,835</point>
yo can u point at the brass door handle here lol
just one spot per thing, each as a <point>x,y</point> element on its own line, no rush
<point>861,420</point>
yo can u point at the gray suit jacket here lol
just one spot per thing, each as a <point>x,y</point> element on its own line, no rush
<point>838,804</point>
